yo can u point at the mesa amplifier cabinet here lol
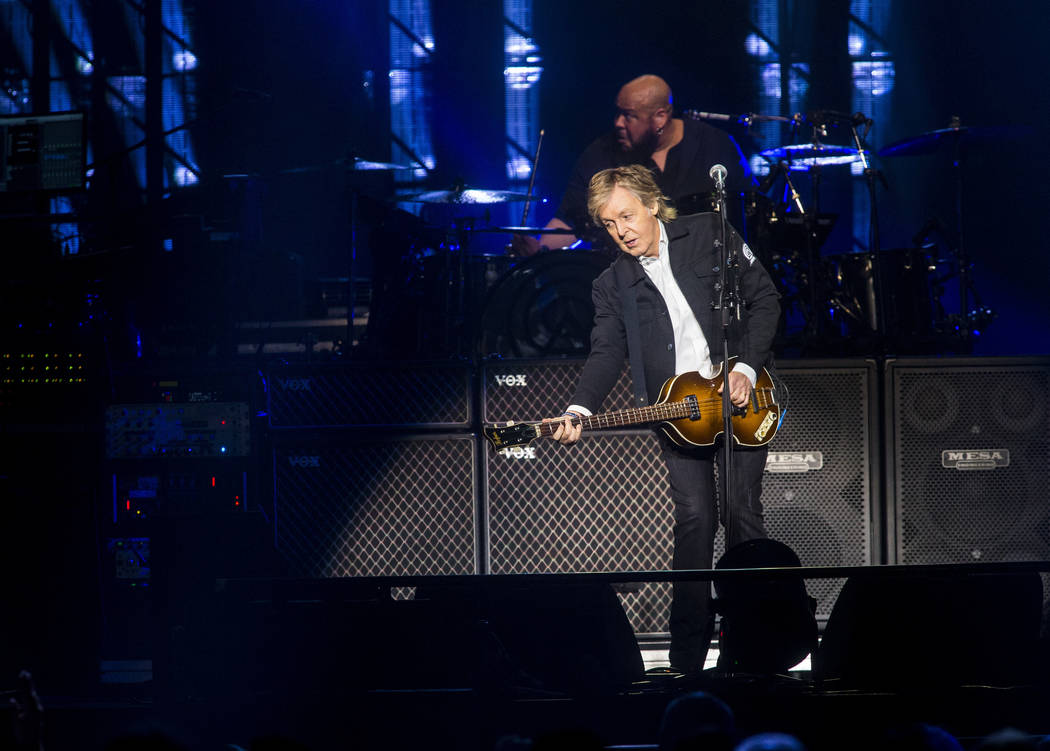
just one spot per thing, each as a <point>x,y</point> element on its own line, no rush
<point>523,390</point>
<point>599,505</point>
<point>969,468</point>
<point>408,395</point>
<point>821,480</point>
<point>389,506</point>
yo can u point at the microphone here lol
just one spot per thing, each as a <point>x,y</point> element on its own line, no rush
<point>718,174</point>
<point>697,115</point>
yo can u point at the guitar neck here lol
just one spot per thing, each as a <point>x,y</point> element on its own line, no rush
<point>624,417</point>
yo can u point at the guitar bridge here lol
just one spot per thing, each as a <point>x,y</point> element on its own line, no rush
<point>694,407</point>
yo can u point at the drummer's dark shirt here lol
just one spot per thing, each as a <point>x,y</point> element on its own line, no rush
<point>684,180</point>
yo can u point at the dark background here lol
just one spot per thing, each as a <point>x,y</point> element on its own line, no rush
<point>981,63</point>
<point>281,104</point>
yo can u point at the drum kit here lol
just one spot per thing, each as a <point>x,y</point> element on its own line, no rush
<point>878,302</point>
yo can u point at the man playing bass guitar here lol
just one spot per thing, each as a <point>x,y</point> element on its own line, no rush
<point>656,303</point>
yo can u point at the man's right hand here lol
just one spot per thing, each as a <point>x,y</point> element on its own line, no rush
<point>566,433</point>
<point>525,246</point>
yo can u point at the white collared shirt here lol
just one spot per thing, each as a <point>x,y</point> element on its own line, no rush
<point>691,348</point>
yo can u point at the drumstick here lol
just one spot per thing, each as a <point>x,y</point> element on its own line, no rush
<point>532,179</point>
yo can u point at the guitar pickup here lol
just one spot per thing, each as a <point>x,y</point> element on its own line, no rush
<point>694,407</point>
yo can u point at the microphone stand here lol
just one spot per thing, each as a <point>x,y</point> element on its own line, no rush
<point>728,305</point>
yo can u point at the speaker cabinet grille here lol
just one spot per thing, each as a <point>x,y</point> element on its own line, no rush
<point>971,460</point>
<point>604,505</point>
<point>600,505</point>
<point>531,390</point>
<point>817,488</point>
<point>377,508</point>
<point>430,395</point>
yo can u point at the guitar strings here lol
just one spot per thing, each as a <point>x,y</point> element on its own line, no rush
<point>664,410</point>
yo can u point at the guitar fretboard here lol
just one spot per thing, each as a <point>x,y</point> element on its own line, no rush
<point>761,398</point>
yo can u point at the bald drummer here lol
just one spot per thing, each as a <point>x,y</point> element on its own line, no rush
<point>645,131</point>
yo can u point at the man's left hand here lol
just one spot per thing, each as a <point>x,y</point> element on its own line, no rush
<point>739,389</point>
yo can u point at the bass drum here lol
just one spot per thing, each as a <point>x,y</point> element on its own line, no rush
<point>542,307</point>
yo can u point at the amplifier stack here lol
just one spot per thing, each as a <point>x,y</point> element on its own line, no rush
<point>382,471</point>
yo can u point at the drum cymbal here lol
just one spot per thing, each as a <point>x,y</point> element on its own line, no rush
<point>468,196</point>
<point>364,165</point>
<point>803,156</point>
<point>934,140</point>
<point>527,230</point>
<point>352,165</point>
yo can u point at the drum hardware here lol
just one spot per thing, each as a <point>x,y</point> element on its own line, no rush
<point>454,268</point>
<point>956,136</point>
<point>958,139</point>
<point>747,119</point>
<point>542,306</point>
<point>877,294</point>
<point>805,156</point>
<point>460,195</point>
<point>532,179</point>
<point>353,165</point>
<point>522,230</point>
<point>350,164</point>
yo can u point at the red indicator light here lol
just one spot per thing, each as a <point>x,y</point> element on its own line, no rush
<point>213,482</point>
<point>129,504</point>
<point>236,503</point>
<point>223,422</point>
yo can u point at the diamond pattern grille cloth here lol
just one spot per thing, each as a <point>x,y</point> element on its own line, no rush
<point>382,508</point>
<point>409,394</point>
<point>407,506</point>
<point>603,505</point>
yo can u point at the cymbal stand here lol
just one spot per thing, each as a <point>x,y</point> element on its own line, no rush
<point>457,338</point>
<point>808,225</point>
<point>876,311</point>
<point>960,250</point>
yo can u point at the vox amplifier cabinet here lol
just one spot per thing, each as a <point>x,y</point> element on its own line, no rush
<point>409,395</point>
<point>603,505</point>
<point>382,507</point>
<point>600,505</point>
<point>969,464</point>
<point>523,390</point>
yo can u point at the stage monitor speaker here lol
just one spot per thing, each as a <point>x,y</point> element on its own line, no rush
<point>969,466</point>
<point>896,631</point>
<point>384,506</point>
<point>272,636</point>
<point>819,483</point>
<point>407,395</point>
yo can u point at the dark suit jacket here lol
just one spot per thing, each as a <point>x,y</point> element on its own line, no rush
<point>695,264</point>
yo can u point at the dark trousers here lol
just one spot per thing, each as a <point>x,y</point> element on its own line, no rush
<point>697,511</point>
